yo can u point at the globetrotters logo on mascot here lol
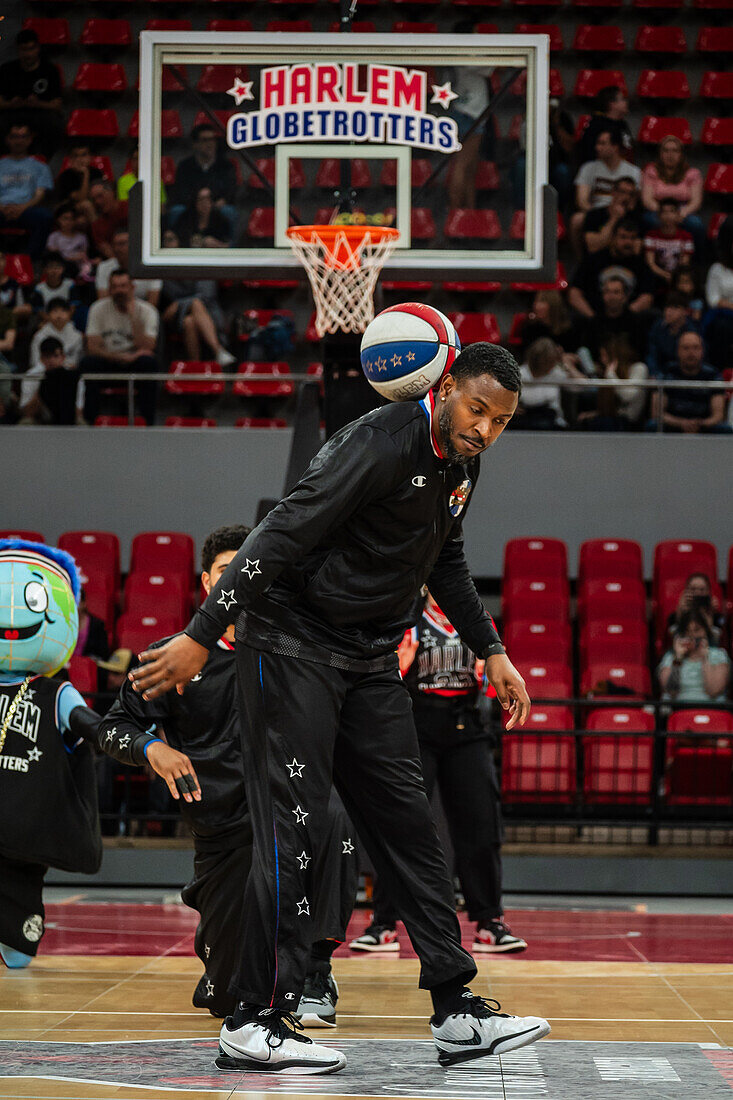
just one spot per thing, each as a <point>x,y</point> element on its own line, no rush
<point>344,102</point>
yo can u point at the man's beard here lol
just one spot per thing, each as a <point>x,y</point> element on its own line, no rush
<point>445,422</point>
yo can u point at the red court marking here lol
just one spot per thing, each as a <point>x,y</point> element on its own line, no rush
<point>601,936</point>
<point>723,1062</point>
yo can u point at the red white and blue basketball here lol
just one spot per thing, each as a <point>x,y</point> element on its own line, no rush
<point>407,349</point>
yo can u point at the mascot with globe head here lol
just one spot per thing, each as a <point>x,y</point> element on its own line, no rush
<point>48,798</point>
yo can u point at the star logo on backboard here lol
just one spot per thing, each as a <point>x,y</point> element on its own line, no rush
<point>303,907</point>
<point>303,860</point>
<point>252,568</point>
<point>443,94</point>
<point>300,815</point>
<point>241,90</point>
<point>295,769</point>
<point>348,847</point>
<point>35,754</point>
<point>227,599</point>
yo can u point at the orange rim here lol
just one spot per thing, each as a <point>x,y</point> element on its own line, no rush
<point>354,234</point>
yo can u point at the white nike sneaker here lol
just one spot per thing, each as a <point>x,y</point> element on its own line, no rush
<point>317,1006</point>
<point>267,1041</point>
<point>480,1030</point>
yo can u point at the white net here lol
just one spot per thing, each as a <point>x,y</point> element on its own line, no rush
<point>343,272</point>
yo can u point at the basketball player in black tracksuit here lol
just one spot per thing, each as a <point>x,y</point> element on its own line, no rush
<point>323,591</point>
<point>203,724</point>
<point>456,750</point>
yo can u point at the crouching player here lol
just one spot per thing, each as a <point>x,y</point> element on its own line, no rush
<point>192,740</point>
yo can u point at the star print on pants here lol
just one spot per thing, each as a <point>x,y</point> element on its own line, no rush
<point>303,907</point>
<point>300,814</point>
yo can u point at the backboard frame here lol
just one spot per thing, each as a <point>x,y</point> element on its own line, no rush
<point>537,260</point>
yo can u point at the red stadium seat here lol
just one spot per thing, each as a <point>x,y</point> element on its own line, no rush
<point>136,631</point>
<point>660,40</point>
<point>622,719</point>
<point>613,640</point>
<point>266,165</point>
<point>715,40</point>
<point>96,552</point>
<point>537,3</point>
<point>633,678</point>
<point>102,164</point>
<point>550,29</point>
<point>280,386</point>
<point>329,173</point>
<point>527,599</point>
<point>405,26</point>
<point>260,422</point>
<point>514,339</point>
<point>595,39</point>
<point>618,770</point>
<point>189,422</point>
<point>474,327</point>
<point>106,32</point>
<point>168,25</point>
<point>719,179</point>
<point>546,717</point>
<point>101,597</point>
<point>83,674</point>
<point>611,599</point>
<point>170,124</point>
<point>610,559</point>
<point>560,283</point>
<point>98,76</point>
<point>181,367</point>
<point>162,551</point>
<point>538,769</point>
<point>222,117</point>
<point>589,82</point>
<point>518,86</point>
<point>19,266</point>
<point>675,559</point>
<point>289,26</point>
<point>88,123</point>
<point>699,775</point>
<point>662,84</point>
<point>549,680</point>
<point>18,533</point>
<point>714,225</point>
<point>235,26</point>
<point>51,32</point>
<point>696,720</point>
<point>535,558</point>
<point>218,79</point>
<point>118,422</point>
<point>716,86</point>
<point>452,287</point>
<point>657,5</point>
<point>655,128</point>
<point>487,177</point>
<point>420,171</point>
<point>528,640</point>
<point>167,170</point>
<point>717,131</point>
<point>472,225</point>
<point>713,5</point>
<point>162,593</point>
<point>602,4</point>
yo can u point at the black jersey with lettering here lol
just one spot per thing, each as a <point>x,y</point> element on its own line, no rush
<point>203,723</point>
<point>443,664</point>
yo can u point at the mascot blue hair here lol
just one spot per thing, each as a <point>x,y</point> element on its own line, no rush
<point>48,803</point>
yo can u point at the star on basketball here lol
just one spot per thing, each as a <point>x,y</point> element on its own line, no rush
<point>381,363</point>
<point>227,599</point>
<point>443,94</point>
<point>303,860</point>
<point>252,568</point>
<point>396,360</point>
<point>241,90</point>
<point>410,356</point>
<point>295,769</point>
<point>34,754</point>
<point>303,907</point>
<point>300,814</point>
<point>348,847</point>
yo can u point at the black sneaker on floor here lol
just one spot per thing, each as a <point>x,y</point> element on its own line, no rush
<point>494,936</point>
<point>377,937</point>
<point>317,1006</point>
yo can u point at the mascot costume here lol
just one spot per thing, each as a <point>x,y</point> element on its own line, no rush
<point>48,791</point>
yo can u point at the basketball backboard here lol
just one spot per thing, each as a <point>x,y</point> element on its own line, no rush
<point>443,136</point>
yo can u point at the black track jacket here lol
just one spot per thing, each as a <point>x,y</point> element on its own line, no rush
<point>334,572</point>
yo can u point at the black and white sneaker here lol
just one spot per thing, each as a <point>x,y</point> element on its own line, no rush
<point>317,1006</point>
<point>377,937</point>
<point>479,1029</point>
<point>266,1040</point>
<point>494,936</point>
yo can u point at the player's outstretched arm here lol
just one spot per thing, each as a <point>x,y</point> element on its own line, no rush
<point>510,688</point>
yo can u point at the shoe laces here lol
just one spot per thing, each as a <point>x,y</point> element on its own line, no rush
<point>481,1008</point>
<point>281,1026</point>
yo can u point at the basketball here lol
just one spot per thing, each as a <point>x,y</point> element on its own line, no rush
<point>407,349</point>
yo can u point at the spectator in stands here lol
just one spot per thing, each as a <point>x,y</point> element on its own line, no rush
<point>54,283</point>
<point>110,214</point>
<point>694,670</point>
<point>53,396</point>
<point>12,295</point>
<point>30,94</point>
<point>208,167</point>
<point>687,281</point>
<point>621,261</point>
<point>671,177</point>
<point>718,322</point>
<point>148,290</point>
<point>92,640</point>
<point>24,185</point>
<point>668,247</point>
<point>540,406</point>
<point>58,325</point>
<point>121,336</point>
<point>697,595</point>
<point>619,409</point>
<point>594,182</point>
<point>70,243</point>
<point>690,410</point>
<point>549,317</point>
<point>600,223</point>
<point>661,354</point>
<point>72,185</point>
<point>614,318</point>
<point>610,109</point>
<point>202,224</point>
<point>193,308</point>
<point>8,333</point>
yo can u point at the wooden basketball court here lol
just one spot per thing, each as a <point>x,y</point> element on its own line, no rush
<point>640,1005</point>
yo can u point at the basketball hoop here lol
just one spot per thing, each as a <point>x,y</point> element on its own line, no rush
<point>343,264</point>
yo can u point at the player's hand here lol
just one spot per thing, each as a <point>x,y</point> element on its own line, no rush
<point>406,651</point>
<point>170,666</point>
<point>510,688</point>
<point>176,769</point>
